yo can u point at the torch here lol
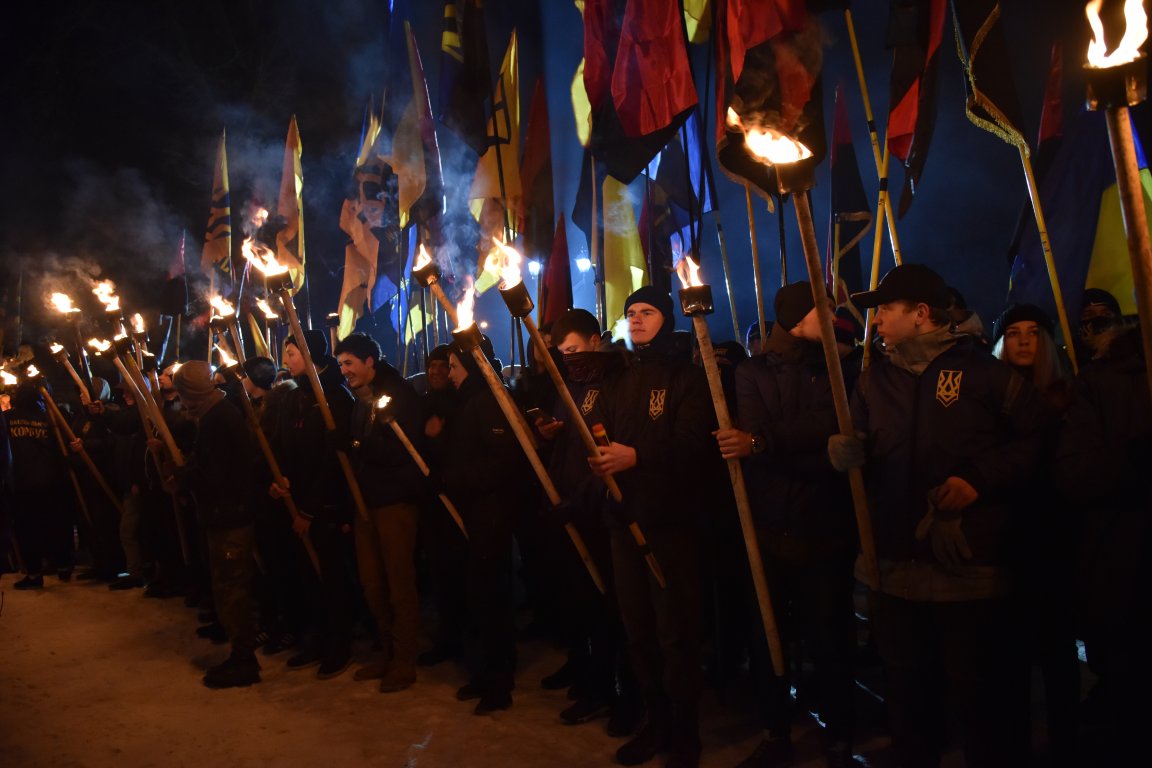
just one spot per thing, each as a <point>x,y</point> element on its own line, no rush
<point>696,303</point>
<point>468,338</point>
<point>785,153</point>
<point>270,318</point>
<point>62,302</point>
<point>234,372</point>
<point>105,292</point>
<point>223,321</point>
<point>332,322</point>
<point>63,431</point>
<point>427,275</point>
<point>520,305</point>
<point>390,419</point>
<point>1117,81</point>
<point>279,282</point>
<point>61,356</point>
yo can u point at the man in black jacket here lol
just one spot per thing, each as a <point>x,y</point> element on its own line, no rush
<point>951,439</point>
<point>659,417</point>
<point>804,522</point>
<point>392,485</point>
<point>220,475</point>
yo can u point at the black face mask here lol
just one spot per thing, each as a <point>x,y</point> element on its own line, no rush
<point>1097,325</point>
<point>582,366</point>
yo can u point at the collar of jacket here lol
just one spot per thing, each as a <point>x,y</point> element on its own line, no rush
<point>917,353</point>
<point>790,349</point>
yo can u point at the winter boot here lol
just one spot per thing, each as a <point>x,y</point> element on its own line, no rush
<point>650,740</point>
<point>30,582</point>
<point>235,672</point>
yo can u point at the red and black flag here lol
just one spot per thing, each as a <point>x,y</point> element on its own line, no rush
<point>465,75</point>
<point>555,296</point>
<point>768,59</point>
<point>991,103</point>
<point>851,215</point>
<point>638,80</point>
<point>915,34</point>
<point>537,211</point>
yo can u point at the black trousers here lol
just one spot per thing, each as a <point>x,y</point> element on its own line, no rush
<point>812,599</point>
<point>331,596</point>
<point>491,635</point>
<point>963,656</point>
<point>662,625</point>
<point>447,552</point>
<point>43,526</point>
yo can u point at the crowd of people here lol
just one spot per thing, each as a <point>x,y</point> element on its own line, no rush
<point>1006,500</point>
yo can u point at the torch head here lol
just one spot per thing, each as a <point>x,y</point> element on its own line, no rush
<point>1120,78</point>
<point>425,271</point>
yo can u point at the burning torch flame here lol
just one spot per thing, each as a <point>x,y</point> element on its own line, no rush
<point>267,310</point>
<point>31,371</point>
<point>137,323</point>
<point>262,257</point>
<point>63,303</point>
<point>423,258</point>
<point>689,272</point>
<point>7,378</point>
<point>222,306</point>
<point>1135,33</point>
<point>768,144</point>
<point>505,260</point>
<point>382,403</point>
<point>100,345</point>
<point>226,360</point>
<point>105,291</point>
<point>464,309</point>
<point>56,348</point>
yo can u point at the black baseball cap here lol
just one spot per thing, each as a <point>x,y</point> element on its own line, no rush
<point>907,282</point>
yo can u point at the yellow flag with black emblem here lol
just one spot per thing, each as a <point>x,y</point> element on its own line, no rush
<point>290,239</point>
<point>217,253</point>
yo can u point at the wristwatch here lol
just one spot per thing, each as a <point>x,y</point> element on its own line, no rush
<point>758,445</point>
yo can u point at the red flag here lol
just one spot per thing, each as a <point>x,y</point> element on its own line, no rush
<point>556,283</point>
<point>652,78</point>
<point>916,31</point>
<point>538,212</point>
<point>601,35</point>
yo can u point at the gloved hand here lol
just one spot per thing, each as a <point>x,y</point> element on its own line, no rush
<point>847,451</point>
<point>949,544</point>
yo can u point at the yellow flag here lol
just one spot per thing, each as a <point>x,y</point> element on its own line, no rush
<point>581,108</point>
<point>625,268</point>
<point>217,253</point>
<point>1110,268</point>
<point>502,159</point>
<point>290,240</point>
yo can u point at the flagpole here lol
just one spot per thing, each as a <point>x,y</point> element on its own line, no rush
<point>873,137</point>
<point>756,282</point>
<point>598,272</point>
<point>783,243</point>
<point>877,244</point>
<point>1050,263</point>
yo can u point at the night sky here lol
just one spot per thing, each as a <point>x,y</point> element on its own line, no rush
<point>112,111</point>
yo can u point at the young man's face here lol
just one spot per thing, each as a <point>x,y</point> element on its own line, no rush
<point>1020,343</point>
<point>358,373</point>
<point>574,343</point>
<point>809,328</point>
<point>457,373</point>
<point>899,321</point>
<point>644,322</point>
<point>293,360</point>
<point>437,374</point>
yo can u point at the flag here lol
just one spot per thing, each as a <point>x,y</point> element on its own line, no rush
<point>538,212</point>
<point>361,212</point>
<point>915,33</point>
<point>624,266</point>
<point>498,171</point>
<point>638,81</point>
<point>1082,208</point>
<point>290,238</point>
<point>415,155</point>
<point>680,174</point>
<point>851,216</point>
<point>1047,143</point>
<point>555,294</point>
<point>698,20</point>
<point>768,58</point>
<point>465,83</point>
<point>217,253</point>
<point>991,101</point>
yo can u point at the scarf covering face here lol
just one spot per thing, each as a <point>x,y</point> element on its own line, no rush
<point>917,353</point>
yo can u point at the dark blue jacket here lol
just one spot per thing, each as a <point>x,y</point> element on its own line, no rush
<point>967,415</point>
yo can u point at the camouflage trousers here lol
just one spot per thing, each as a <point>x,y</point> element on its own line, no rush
<point>231,559</point>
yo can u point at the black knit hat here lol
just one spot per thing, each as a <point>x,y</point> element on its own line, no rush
<point>1017,313</point>
<point>261,370</point>
<point>793,302</point>
<point>317,342</point>
<point>652,295</point>
<point>438,353</point>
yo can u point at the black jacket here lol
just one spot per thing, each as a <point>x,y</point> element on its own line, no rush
<point>785,397</point>
<point>387,473</point>
<point>36,460</point>
<point>661,407</point>
<point>967,415</point>
<point>221,469</point>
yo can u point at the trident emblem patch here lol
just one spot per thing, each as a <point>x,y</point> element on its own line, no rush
<point>948,387</point>
<point>589,401</point>
<point>656,403</point>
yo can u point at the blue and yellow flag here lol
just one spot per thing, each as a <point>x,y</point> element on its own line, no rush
<point>217,253</point>
<point>290,239</point>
